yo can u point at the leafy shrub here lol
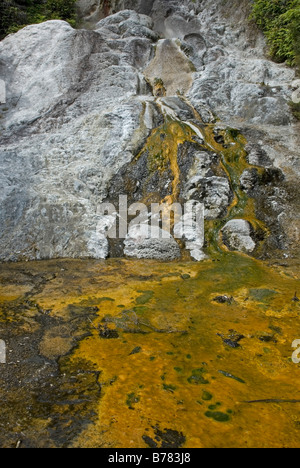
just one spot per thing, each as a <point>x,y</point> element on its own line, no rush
<point>15,14</point>
<point>295,109</point>
<point>280,21</point>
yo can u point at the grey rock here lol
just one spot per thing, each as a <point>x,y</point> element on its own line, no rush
<point>214,192</point>
<point>146,242</point>
<point>249,179</point>
<point>236,80</point>
<point>237,236</point>
<point>171,66</point>
<point>257,155</point>
<point>177,27</point>
<point>90,11</point>
<point>128,23</point>
<point>190,229</point>
<point>179,107</point>
<point>73,119</point>
<point>203,162</point>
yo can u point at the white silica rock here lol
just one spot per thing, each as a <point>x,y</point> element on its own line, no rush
<point>190,229</point>
<point>150,242</point>
<point>72,119</point>
<point>237,236</point>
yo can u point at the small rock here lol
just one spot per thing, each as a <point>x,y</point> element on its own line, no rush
<point>148,242</point>
<point>295,298</point>
<point>249,180</point>
<point>185,277</point>
<point>223,299</point>
<point>237,236</point>
<point>108,333</point>
<point>136,350</point>
<point>232,340</point>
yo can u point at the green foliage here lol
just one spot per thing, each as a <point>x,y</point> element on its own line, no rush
<point>280,21</point>
<point>15,14</point>
<point>295,109</point>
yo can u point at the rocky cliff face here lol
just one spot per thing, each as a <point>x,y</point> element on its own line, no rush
<point>160,101</point>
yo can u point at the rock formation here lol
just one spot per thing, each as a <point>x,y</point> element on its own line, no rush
<point>157,100</point>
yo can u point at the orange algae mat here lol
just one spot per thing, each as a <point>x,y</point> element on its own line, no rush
<point>147,354</point>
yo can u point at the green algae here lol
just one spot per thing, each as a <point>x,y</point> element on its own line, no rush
<point>132,400</point>
<point>197,377</point>
<point>169,387</point>
<point>185,277</point>
<point>136,350</point>
<point>230,376</point>
<point>145,297</point>
<point>233,161</point>
<point>206,396</point>
<point>262,295</point>
<point>217,416</point>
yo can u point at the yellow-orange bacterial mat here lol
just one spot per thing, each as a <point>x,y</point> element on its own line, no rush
<point>144,354</point>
